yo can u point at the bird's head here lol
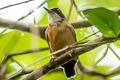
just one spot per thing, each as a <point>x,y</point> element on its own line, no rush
<point>55,16</point>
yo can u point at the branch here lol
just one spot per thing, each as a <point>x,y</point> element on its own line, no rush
<point>113,52</point>
<point>86,71</point>
<point>31,11</point>
<point>18,63</point>
<point>78,11</point>
<point>70,9</point>
<point>69,56</point>
<point>114,72</point>
<point>15,4</point>
<point>27,27</point>
<point>8,56</point>
<point>23,72</point>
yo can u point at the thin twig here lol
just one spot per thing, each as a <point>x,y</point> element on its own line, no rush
<point>103,56</point>
<point>23,72</point>
<point>12,59</point>
<point>113,52</point>
<point>78,11</point>
<point>23,52</point>
<point>15,4</point>
<point>79,42</point>
<point>94,32</point>
<point>70,9</point>
<point>88,36</point>
<point>31,11</point>
<point>23,17</point>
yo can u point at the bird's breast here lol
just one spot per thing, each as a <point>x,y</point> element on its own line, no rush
<point>59,37</point>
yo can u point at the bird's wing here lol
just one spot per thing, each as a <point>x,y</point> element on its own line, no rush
<point>47,39</point>
<point>74,35</point>
<point>73,32</point>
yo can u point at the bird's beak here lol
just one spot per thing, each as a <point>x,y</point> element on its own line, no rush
<point>48,10</point>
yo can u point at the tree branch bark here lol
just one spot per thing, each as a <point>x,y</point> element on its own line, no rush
<point>23,72</point>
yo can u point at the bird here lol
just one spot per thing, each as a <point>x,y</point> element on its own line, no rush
<point>60,34</point>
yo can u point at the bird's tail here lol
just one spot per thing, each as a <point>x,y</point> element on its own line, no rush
<point>69,68</point>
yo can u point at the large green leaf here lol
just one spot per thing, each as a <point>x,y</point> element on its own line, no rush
<point>105,20</point>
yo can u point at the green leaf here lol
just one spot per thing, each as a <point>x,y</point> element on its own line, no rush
<point>8,41</point>
<point>105,20</point>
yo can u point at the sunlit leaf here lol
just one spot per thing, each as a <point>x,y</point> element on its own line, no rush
<point>105,20</point>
